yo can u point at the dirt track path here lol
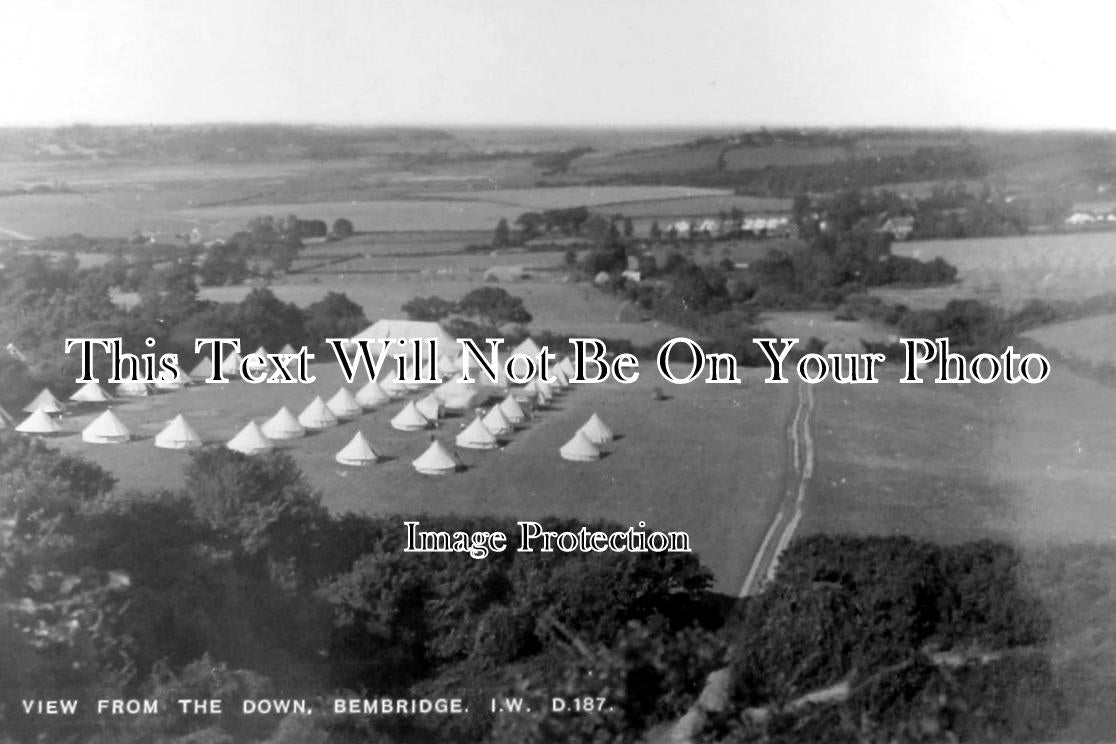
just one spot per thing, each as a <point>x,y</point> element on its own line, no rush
<point>800,446</point>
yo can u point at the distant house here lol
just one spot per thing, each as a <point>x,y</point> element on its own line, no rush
<point>900,228</point>
<point>709,226</point>
<point>681,228</point>
<point>767,226</point>
<point>506,274</point>
<point>1081,218</point>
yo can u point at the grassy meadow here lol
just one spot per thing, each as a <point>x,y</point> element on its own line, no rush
<point>724,445</point>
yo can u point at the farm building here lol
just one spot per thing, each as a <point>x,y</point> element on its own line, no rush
<point>900,228</point>
<point>506,274</point>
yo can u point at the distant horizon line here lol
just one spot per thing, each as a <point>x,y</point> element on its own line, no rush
<point>572,126</point>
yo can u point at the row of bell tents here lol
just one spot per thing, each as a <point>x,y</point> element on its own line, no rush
<point>482,433</point>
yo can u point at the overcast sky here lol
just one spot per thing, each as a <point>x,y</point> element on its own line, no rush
<point>992,63</point>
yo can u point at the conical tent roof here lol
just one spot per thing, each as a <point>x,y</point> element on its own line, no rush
<point>288,349</point>
<point>567,366</point>
<point>436,460</point>
<point>106,429</point>
<point>343,405</point>
<point>262,364</point>
<point>476,436</point>
<point>231,364</point>
<point>392,387</point>
<point>529,348</point>
<point>132,389</point>
<point>579,449</point>
<point>596,431</point>
<point>497,423</point>
<point>560,378</point>
<point>175,381</point>
<point>44,401</point>
<point>178,434</point>
<point>460,396</point>
<point>203,370</point>
<point>544,390</point>
<point>39,422</point>
<point>250,440</point>
<point>91,392</point>
<point>410,374</point>
<point>357,452</point>
<point>409,419</point>
<point>317,415</point>
<point>448,366</point>
<point>430,407</point>
<point>512,411</point>
<point>283,425</point>
<point>6,420</point>
<point>372,395</point>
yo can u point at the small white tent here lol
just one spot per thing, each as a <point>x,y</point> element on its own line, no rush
<point>172,381</point>
<point>317,416</point>
<point>106,429</point>
<point>203,370</point>
<point>436,460</point>
<point>579,449</point>
<point>357,452</point>
<point>343,405</point>
<point>91,392</point>
<point>561,380</point>
<point>527,347</point>
<point>512,410</point>
<point>6,420</point>
<point>178,434</point>
<point>44,401</point>
<point>567,366</point>
<point>409,419</point>
<point>430,407</point>
<point>288,349</point>
<point>392,387</point>
<point>39,422</point>
<point>476,436</point>
<point>261,365</point>
<point>372,396</point>
<point>230,366</point>
<point>283,425</point>
<point>132,389</point>
<point>250,440</point>
<point>596,431</point>
<point>462,396</point>
<point>497,423</point>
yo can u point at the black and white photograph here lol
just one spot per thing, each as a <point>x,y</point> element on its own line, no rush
<point>529,372</point>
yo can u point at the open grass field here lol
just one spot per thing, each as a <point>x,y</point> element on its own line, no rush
<point>698,206</point>
<point>1010,271</point>
<point>746,158</point>
<point>561,197</point>
<point>807,324</point>
<point>561,307</point>
<point>681,158</point>
<point>385,215</point>
<point>1085,339</point>
<point>708,460</point>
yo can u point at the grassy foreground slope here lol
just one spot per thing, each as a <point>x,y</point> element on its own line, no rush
<point>1029,464</point>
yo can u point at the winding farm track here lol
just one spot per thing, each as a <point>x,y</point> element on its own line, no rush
<point>799,470</point>
<point>800,447</point>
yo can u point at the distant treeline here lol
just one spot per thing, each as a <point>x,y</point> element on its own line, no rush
<point>924,164</point>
